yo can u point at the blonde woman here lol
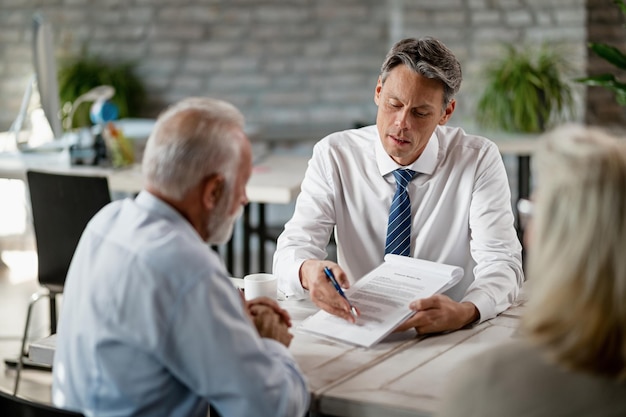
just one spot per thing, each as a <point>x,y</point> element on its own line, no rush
<point>571,360</point>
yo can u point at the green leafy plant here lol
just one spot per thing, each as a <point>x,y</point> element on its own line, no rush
<point>527,90</point>
<point>79,75</point>
<point>613,56</point>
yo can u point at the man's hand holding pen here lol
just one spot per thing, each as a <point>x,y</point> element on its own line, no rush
<point>322,290</point>
<point>333,280</point>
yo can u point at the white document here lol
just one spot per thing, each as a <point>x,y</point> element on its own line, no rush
<point>383,296</point>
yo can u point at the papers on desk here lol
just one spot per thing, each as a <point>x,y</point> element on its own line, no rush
<point>383,297</point>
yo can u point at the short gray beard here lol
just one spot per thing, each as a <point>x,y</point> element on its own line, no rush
<point>220,226</point>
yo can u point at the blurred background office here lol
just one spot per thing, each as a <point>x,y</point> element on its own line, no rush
<point>298,62</point>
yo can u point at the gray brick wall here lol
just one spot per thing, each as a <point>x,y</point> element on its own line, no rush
<point>281,62</point>
<point>605,24</point>
<point>476,29</point>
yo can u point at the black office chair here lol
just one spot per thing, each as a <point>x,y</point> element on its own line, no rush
<point>13,406</point>
<point>62,205</point>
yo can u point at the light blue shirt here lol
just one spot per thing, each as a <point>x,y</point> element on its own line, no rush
<point>152,326</point>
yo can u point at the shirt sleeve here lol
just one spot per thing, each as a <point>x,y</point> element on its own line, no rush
<point>308,232</point>
<point>494,245</point>
<point>214,349</point>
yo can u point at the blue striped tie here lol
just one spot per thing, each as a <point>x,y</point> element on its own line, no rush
<point>399,226</point>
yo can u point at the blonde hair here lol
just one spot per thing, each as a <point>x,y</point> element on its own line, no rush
<point>192,139</point>
<point>577,261</point>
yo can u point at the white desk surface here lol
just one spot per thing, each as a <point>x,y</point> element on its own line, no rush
<point>404,375</point>
<point>326,363</point>
<point>275,178</point>
<point>411,382</point>
<point>518,147</point>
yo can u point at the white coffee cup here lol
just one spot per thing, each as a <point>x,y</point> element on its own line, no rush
<point>259,285</point>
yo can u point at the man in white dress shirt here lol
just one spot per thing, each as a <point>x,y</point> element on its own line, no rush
<point>460,200</point>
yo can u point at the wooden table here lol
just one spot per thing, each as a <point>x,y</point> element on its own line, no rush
<point>411,381</point>
<point>404,375</point>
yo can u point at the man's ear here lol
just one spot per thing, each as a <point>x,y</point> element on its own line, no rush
<point>213,190</point>
<point>379,86</point>
<point>448,112</point>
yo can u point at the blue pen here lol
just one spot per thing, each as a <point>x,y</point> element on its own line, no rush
<point>332,279</point>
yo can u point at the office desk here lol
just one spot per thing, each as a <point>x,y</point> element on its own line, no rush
<point>411,382</point>
<point>275,179</point>
<point>323,362</point>
<point>404,375</point>
<point>13,165</point>
<point>326,362</point>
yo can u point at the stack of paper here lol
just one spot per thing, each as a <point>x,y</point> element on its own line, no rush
<point>383,296</point>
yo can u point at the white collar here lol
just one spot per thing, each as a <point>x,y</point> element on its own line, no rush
<point>425,164</point>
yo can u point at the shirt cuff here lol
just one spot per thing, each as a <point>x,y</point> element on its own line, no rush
<point>289,282</point>
<point>483,304</point>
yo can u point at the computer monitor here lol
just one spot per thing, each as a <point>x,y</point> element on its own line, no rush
<point>46,73</point>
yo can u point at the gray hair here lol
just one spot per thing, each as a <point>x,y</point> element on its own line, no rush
<point>577,268</point>
<point>191,140</point>
<point>428,57</point>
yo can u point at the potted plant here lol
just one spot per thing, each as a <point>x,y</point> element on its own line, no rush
<point>527,90</point>
<point>79,75</point>
<point>616,58</point>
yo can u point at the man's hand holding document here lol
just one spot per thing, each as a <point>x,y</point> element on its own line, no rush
<point>382,298</point>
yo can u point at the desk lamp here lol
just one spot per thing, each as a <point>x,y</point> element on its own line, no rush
<point>90,148</point>
<point>98,95</point>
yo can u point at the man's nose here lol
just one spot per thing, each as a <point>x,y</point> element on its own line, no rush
<point>401,119</point>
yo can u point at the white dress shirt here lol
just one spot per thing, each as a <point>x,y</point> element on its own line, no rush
<point>152,326</point>
<point>460,207</point>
